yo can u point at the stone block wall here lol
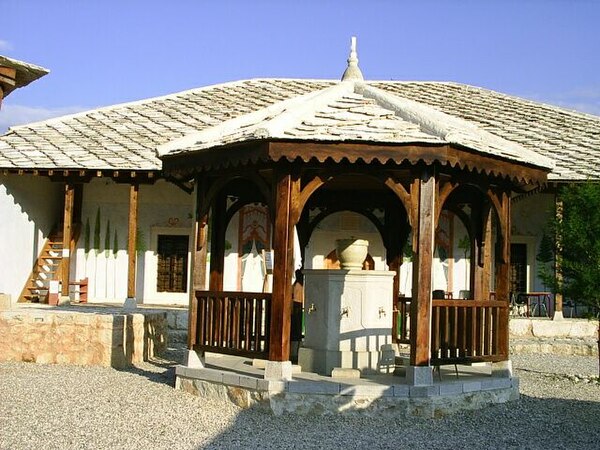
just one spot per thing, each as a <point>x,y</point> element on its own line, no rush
<point>559,337</point>
<point>84,338</point>
<point>177,320</point>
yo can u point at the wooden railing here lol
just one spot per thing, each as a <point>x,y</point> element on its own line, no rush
<point>468,331</point>
<point>231,322</point>
<point>461,330</point>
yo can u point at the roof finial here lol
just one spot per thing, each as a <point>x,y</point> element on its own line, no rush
<point>352,72</point>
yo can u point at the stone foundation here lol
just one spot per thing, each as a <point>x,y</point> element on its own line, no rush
<point>334,397</point>
<point>56,336</point>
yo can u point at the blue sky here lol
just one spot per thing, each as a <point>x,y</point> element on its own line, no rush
<point>111,51</point>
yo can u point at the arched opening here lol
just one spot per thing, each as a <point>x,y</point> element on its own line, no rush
<point>320,251</point>
<point>466,240</point>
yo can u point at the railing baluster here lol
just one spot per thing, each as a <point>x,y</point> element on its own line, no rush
<point>488,331</point>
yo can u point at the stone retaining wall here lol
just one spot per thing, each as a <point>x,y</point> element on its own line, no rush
<point>553,329</point>
<point>52,336</point>
<point>177,320</point>
<point>576,337</point>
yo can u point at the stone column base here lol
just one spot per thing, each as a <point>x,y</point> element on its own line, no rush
<point>419,375</point>
<point>130,304</point>
<point>278,370</point>
<point>195,359</point>
<point>502,369</point>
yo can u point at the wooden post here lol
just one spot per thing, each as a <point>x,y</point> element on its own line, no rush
<point>287,190</point>
<point>217,242</point>
<point>67,231</point>
<point>503,271</point>
<point>420,317</point>
<point>132,238</point>
<point>198,260</point>
<point>200,247</point>
<point>394,266</point>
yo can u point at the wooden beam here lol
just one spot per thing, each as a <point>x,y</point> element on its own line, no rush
<point>132,238</point>
<point>67,229</point>
<point>217,242</point>
<point>287,198</point>
<point>420,317</point>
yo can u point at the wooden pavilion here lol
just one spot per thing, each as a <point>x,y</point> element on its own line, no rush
<point>355,147</point>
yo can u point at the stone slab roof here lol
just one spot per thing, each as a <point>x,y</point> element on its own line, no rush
<point>26,72</point>
<point>353,111</point>
<point>128,136</point>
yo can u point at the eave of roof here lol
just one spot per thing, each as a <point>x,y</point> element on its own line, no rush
<point>25,72</point>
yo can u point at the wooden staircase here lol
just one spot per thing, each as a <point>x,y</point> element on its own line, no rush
<point>46,268</point>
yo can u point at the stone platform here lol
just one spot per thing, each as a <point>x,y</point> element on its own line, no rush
<point>237,380</point>
<point>81,335</point>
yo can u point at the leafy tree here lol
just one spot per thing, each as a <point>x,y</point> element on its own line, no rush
<point>578,240</point>
<point>545,257</point>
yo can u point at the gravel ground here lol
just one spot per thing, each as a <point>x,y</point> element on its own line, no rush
<point>75,407</point>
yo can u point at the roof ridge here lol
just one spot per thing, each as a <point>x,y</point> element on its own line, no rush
<point>277,113</point>
<point>446,126</point>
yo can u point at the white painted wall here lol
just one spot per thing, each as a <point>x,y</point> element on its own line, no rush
<point>163,209</point>
<point>30,207</point>
<point>231,267</point>
<point>529,219</point>
<point>342,225</point>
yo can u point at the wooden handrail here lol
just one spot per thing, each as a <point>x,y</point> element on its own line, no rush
<point>470,303</point>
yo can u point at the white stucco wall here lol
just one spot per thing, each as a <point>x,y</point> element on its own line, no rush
<point>30,206</point>
<point>343,225</point>
<point>530,217</point>
<point>163,209</point>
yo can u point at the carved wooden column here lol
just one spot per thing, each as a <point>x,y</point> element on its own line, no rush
<point>67,235</point>
<point>131,239</point>
<point>420,316</point>
<point>287,190</point>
